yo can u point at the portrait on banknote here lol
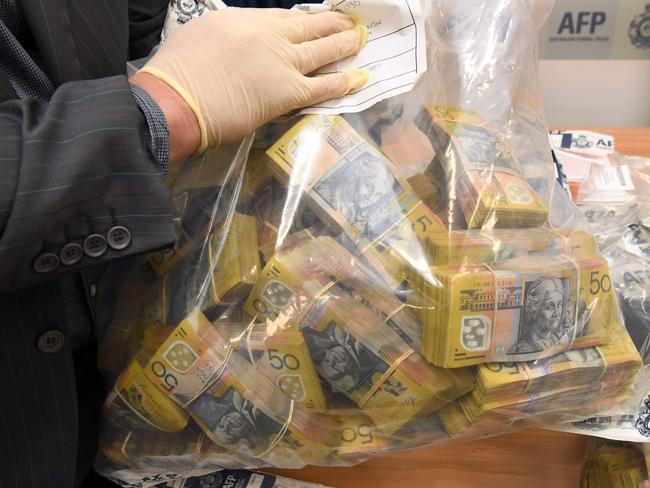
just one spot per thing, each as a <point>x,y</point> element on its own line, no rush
<point>364,190</point>
<point>345,363</point>
<point>479,146</point>
<point>235,421</point>
<point>544,315</point>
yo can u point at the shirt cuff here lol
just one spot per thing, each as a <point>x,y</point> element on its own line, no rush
<point>157,126</point>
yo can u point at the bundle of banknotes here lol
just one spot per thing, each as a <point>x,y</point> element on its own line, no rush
<point>550,389</point>
<point>347,306</point>
<point>518,309</point>
<point>481,174</point>
<point>615,465</point>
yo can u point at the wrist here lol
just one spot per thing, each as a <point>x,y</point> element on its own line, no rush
<point>183,127</point>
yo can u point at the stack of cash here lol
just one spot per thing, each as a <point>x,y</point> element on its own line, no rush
<point>615,465</point>
<point>487,179</point>
<point>230,263</point>
<point>137,403</point>
<point>359,357</point>
<point>234,263</point>
<point>318,284</point>
<point>561,385</point>
<point>274,227</point>
<point>354,189</point>
<point>245,414</point>
<point>359,438</point>
<point>489,246</point>
<point>257,176</point>
<point>519,309</point>
<point>296,276</point>
<point>610,363</point>
<point>147,448</point>
<point>283,357</point>
<point>237,408</point>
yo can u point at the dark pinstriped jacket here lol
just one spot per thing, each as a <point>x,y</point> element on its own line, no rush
<point>69,168</point>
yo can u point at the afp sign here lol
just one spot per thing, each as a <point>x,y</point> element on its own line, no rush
<point>597,29</point>
<point>581,23</point>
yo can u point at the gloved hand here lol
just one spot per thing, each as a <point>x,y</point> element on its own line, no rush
<point>240,68</point>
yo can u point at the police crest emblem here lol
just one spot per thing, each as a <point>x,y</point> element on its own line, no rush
<point>642,423</point>
<point>581,142</point>
<point>639,31</point>
<point>186,10</point>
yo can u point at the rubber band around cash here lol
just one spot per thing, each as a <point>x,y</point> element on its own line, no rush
<point>604,358</point>
<point>528,374</point>
<point>565,240</point>
<point>248,332</point>
<point>496,303</point>
<point>395,312</point>
<point>124,444</point>
<point>384,377</point>
<point>577,299</point>
<point>317,296</point>
<point>271,226</point>
<point>494,243</point>
<point>282,432</point>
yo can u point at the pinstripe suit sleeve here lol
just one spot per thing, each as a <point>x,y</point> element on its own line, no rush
<point>75,166</point>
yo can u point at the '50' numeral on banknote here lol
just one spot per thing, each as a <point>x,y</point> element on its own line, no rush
<point>603,283</point>
<point>281,361</point>
<point>363,431</point>
<point>169,380</point>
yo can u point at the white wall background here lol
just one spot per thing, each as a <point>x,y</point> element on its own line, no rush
<point>596,93</point>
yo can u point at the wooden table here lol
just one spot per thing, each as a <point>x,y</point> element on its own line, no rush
<point>530,459</point>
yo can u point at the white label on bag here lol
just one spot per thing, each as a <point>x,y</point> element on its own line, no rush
<point>616,178</point>
<point>395,54</point>
<point>583,141</point>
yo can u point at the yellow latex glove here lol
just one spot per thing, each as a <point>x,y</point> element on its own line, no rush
<point>240,68</point>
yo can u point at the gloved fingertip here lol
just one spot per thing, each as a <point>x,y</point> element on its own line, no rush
<point>357,78</point>
<point>363,35</point>
<point>347,22</point>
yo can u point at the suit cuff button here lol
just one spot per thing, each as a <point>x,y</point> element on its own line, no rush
<point>46,262</point>
<point>95,245</point>
<point>119,237</point>
<point>71,254</point>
